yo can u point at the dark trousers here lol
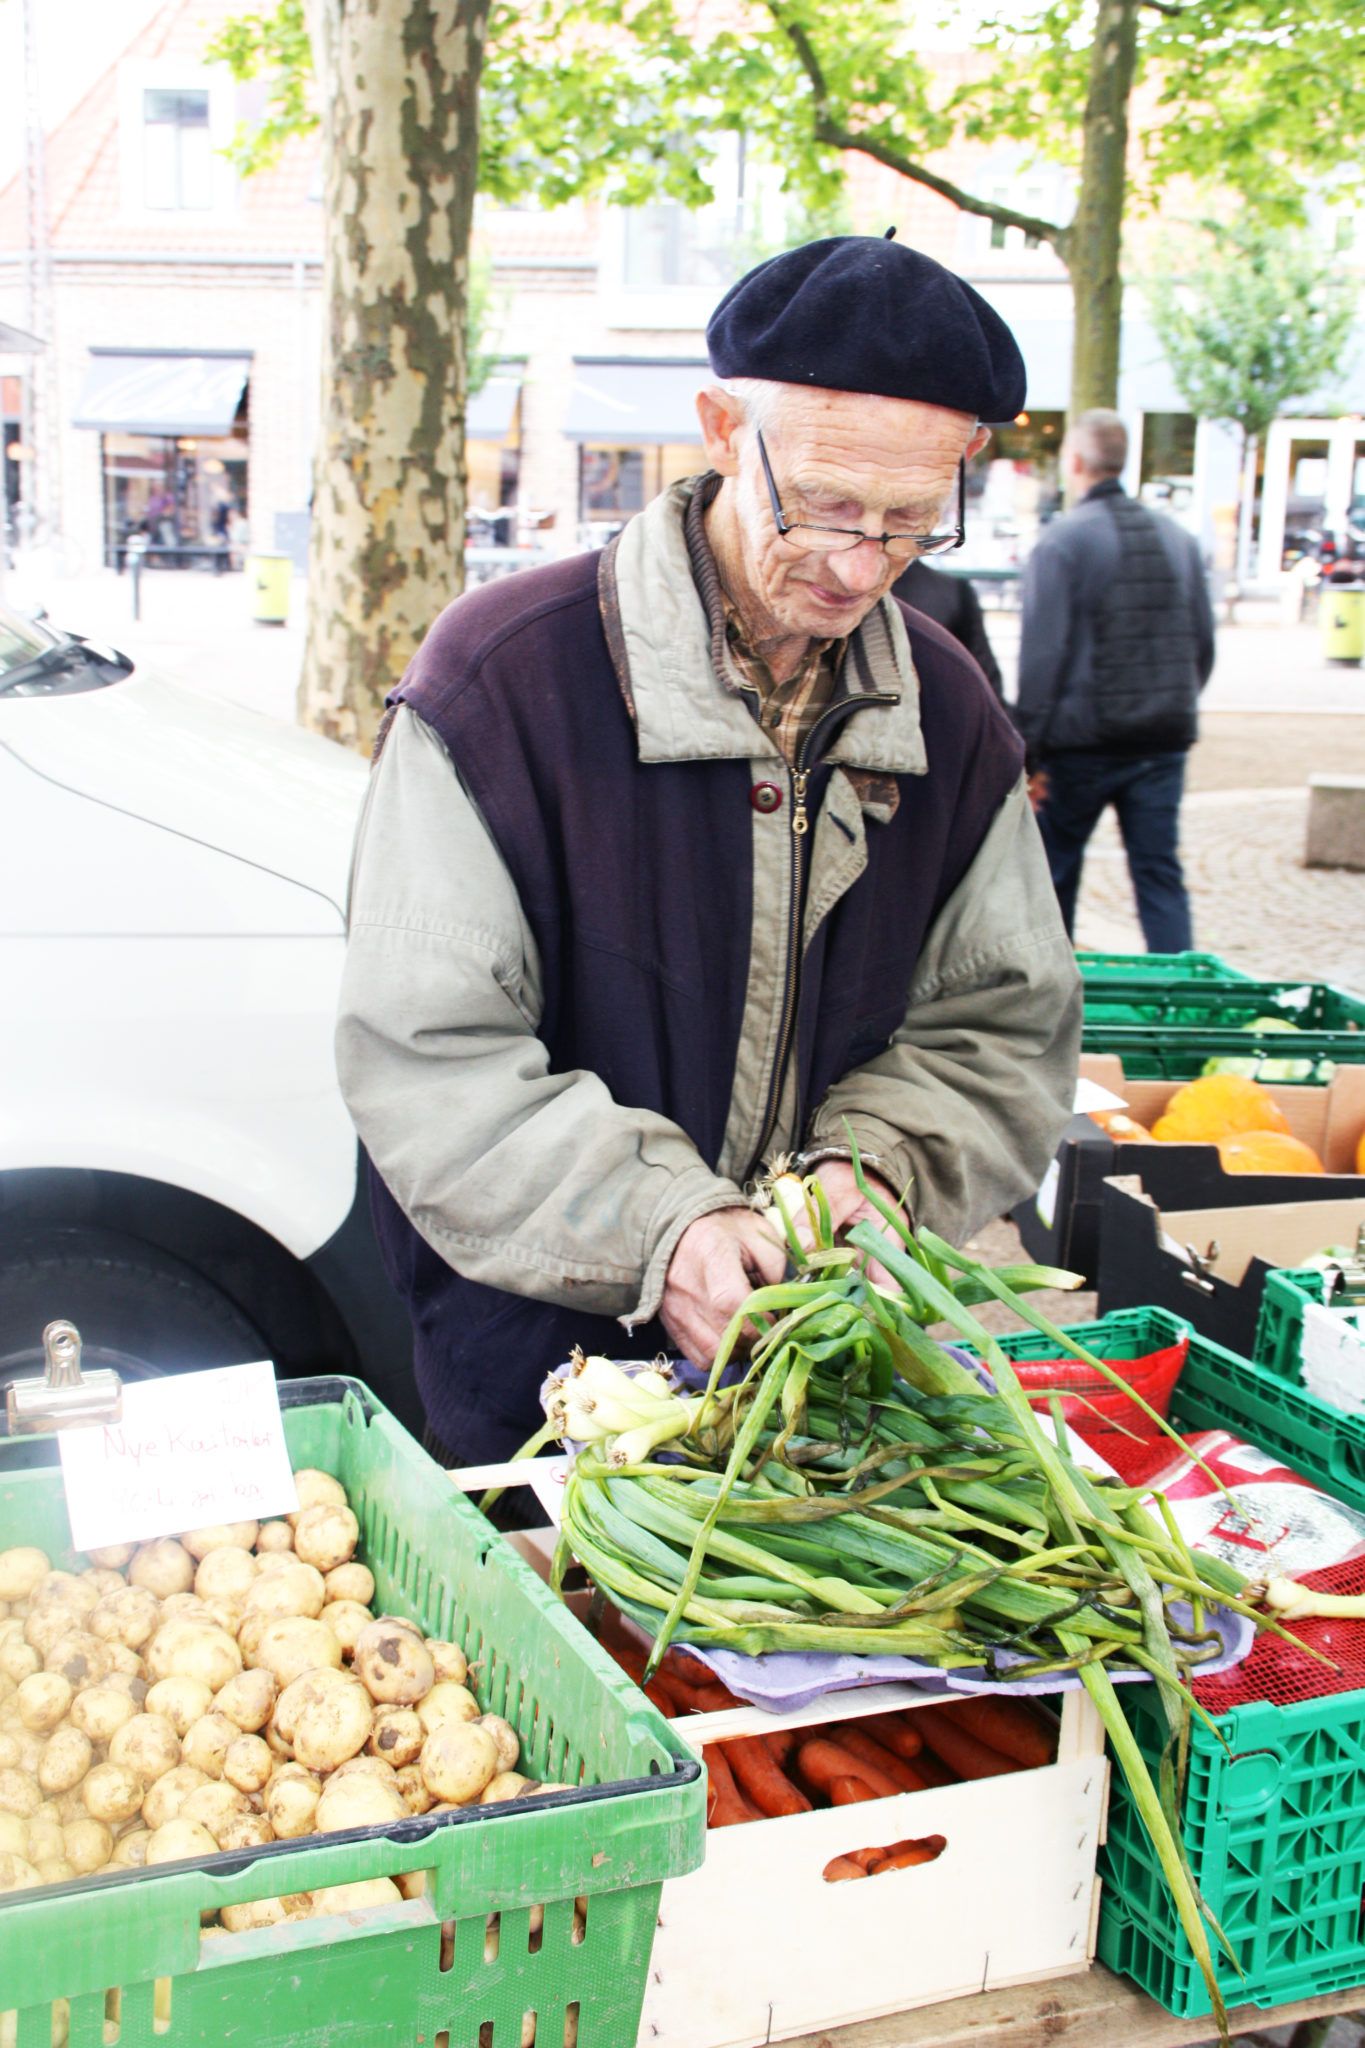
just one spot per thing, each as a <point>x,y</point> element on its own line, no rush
<point>1145,792</point>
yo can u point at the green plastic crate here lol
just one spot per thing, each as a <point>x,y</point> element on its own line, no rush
<point>1275,1831</point>
<point>126,1950</point>
<point>1279,1327</point>
<point>1155,967</point>
<point>1167,1029</point>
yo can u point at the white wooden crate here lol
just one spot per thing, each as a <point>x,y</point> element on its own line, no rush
<point>756,1947</point>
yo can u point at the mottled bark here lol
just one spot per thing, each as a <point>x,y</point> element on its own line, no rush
<point>1094,239</point>
<point>399,86</point>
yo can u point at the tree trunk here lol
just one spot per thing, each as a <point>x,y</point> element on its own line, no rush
<point>1094,242</point>
<point>1246,511</point>
<point>399,85</point>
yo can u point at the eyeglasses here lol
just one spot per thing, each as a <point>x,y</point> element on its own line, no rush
<point>833,540</point>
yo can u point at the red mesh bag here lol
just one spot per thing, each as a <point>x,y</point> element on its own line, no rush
<point>1102,1414</point>
<point>1277,1671</point>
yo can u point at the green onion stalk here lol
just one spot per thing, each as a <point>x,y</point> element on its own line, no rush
<point>852,1486</point>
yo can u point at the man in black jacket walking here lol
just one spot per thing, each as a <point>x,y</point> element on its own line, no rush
<point>1117,643</point>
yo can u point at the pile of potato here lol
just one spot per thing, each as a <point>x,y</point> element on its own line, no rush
<point>221,1690</point>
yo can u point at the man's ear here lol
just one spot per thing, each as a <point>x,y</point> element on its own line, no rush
<point>977,443</point>
<point>720,426</point>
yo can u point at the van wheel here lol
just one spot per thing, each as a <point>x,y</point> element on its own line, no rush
<point>137,1309</point>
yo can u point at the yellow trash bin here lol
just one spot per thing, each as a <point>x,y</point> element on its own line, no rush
<point>1341,618</point>
<point>268,577</point>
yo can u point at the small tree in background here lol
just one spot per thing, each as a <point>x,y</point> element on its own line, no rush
<point>1251,318</point>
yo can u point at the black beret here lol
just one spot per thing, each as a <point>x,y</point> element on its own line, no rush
<point>858,313</point>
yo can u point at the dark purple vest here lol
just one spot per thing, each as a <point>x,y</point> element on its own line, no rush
<point>636,882</point>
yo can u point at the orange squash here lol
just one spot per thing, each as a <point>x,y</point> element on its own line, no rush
<point>1215,1106</point>
<point>1267,1152</point>
<point>1122,1128</point>
<point>1360,1154</point>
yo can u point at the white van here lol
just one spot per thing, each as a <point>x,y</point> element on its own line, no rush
<point>178,1173</point>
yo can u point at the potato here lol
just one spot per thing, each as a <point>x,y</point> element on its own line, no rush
<point>13,1834</point>
<point>165,1798</point>
<point>326,1535</point>
<point>248,1698</point>
<point>44,1840</point>
<point>450,1661</point>
<point>31,1747</point>
<point>21,1570</point>
<point>207,1742</point>
<point>308,1686</point>
<point>394,1665</point>
<point>274,1537</point>
<point>64,1762</point>
<point>447,1702</point>
<point>81,1658</point>
<point>315,1489</point>
<point>244,1830</point>
<point>69,1806</point>
<point>187,1607</point>
<point>101,1710</point>
<point>148,1744</point>
<point>9,1752</point>
<point>65,1589</point>
<point>249,1633</point>
<point>130,1850</point>
<point>180,1840</point>
<point>212,1805</point>
<point>17,1874</point>
<point>458,1760</point>
<point>220,1536</point>
<point>345,1618</point>
<point>129,1616</point>
<point>288,1647</point>
<point>506,1785</point>
<point>358,1800</point>
<point>112,1793</point>
<point>332,1726</point>
<point>163,1567</point>
<point>192,1649</point>
<point>19,1793</point>
<point>351,1581</point>
<point>180,1701</point>
<point>104,1582</point>
<point>397,1736</point>
<point>505,1739</point>
<point>43,1699</point>
<point>125,1670</point>
<point>413,1787</point>
<point>359,1897</point>
<point>18,1660</point>
<point>226,1574</point>
<point>248,1763</point>
<point>226,1614</point>
<point>113,1556</point>
<point>293,1588</point>
<point>55,1870</point>
<point>253,1913</point>
<point>89,1845</point>
<point>291,1802</point>
<point>366,1767</point>
<point>280,1749</point>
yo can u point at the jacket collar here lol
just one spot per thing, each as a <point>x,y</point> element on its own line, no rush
<point>660,641</point>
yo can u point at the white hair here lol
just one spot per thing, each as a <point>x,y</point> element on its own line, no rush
<point>757,400</point>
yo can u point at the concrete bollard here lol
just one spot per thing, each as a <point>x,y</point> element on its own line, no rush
<point>1336,822</point>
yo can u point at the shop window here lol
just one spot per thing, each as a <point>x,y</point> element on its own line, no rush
<point>611,482</point>
<point>177,153</point>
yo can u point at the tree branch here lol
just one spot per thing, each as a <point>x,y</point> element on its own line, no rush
<point>1165,7</point>
<point>835,136</point>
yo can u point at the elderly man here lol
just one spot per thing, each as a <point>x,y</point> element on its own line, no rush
<point>703,849</point>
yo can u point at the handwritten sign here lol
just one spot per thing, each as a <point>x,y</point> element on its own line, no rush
<point>190,1450</point>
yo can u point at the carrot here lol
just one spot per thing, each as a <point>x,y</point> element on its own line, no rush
<point>850,1792</point>
<point>780,1745</point>
<point>840,1869</point>
<point>763,1782</point>
<point>1009,1726</point>
<point>821,1761</point>
<point>906,1857</point>
<point>960,1750</point>
<point>933,1770</point>
<point>730,1808</point>
<point>632,1662</point>
<point>697,1689</point>
<point>897,1732</point>
<point>865,1857</point>
<point>860,1744</point>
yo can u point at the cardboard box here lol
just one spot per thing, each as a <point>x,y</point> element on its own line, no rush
<point>1210,1264</point>
<point>1061,1224</point>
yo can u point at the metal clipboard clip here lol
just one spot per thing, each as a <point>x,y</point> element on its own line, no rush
<point>65,1397</point>
<point>1198,1274</point>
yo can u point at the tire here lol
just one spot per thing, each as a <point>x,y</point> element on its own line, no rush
<point>137,1309</point>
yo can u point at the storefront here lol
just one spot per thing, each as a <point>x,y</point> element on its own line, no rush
<point>493,457</point>
<point>635,422</point>
<point>174,433</point>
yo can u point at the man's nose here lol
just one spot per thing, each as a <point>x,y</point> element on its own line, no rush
<point>860,569</point>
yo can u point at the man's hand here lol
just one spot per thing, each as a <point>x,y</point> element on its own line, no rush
<point>1037,788</point>
<point>847,1206</point>
<point>717,1263</point>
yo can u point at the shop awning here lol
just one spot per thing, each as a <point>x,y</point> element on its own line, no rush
<point>167,393</point>
<point>628,402</point>
<point>488,416</point>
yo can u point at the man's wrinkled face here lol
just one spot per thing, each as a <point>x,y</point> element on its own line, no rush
<point>883,465</point>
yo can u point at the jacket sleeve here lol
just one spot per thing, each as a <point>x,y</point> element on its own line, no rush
<point>967,1103</point>
<point>1044,639</point>
<point>531,1181</point>
<point>973,638</point>
<point>1202,608</point>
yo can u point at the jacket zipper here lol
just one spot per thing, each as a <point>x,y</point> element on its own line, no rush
<point>799,778</point>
